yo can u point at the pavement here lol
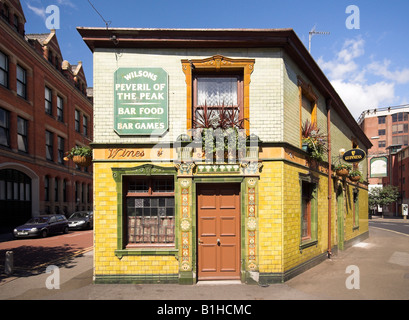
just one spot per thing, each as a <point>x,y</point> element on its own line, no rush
<point>375,269</point>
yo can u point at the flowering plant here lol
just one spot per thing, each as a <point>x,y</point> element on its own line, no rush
<point>314,140</point>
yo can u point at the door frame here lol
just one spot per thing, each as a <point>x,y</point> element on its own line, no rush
<point>219,180</point>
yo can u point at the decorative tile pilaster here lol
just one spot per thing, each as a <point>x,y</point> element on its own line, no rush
<point>185,230</point>
<point>251,224</point>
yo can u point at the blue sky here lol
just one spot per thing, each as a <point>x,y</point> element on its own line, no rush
<point>369,66</point>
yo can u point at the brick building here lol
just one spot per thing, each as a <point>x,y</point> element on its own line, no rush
<point>44,112</point>
<point>387,128</point>
<point>175,201</point>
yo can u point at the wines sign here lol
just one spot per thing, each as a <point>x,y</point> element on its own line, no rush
<point>141,101</point>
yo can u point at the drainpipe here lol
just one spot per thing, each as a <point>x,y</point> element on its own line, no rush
<point>329,101</point>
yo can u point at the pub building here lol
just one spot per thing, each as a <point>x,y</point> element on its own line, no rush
<point>214,157</point>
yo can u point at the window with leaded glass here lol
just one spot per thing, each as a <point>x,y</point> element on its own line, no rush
<point>150,211</point>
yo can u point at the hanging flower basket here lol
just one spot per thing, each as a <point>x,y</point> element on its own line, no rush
<point>355,175</point>
<point>82,156</point>
<point>82,161</point>
<point>342,170</point>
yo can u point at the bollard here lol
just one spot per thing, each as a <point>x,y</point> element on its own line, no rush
<point>9,263</point>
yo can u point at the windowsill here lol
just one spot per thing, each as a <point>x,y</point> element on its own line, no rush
<point>147,251</point>
<point>307,243</point>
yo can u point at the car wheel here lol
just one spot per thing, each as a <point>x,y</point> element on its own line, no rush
<point>44,233</point>
<point>65,230</point>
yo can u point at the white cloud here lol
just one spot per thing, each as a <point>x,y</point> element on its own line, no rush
<point>38,11</point>
<point>67,3</point>
<point>382,69</point>
<point>356,84</point>
<point>359,97</point>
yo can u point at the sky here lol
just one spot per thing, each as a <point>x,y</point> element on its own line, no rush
<point>364,56</point>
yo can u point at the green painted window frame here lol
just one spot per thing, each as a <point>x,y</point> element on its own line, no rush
<point>313,240</point>
<point>142,170</point>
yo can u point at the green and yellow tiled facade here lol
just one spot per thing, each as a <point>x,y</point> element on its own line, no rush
<point>272,246</point>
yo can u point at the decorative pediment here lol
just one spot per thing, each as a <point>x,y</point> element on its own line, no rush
<point>218,63</point>
<point>145,170</point>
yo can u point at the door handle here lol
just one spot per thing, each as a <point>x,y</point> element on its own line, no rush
<point>218,242</point>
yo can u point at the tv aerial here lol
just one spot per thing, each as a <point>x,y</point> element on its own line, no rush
<point>312,33</point>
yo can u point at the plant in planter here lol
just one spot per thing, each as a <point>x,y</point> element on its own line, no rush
<point>221,123</point>
<point>342,169</point>
<point>82,156</point>
<point>314,141</point>
<point>355,175</point>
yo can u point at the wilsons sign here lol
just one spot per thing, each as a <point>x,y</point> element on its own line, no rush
<point>354,155</point>
<point>141,101</point>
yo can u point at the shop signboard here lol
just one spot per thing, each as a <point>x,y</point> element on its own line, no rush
<point>141,101</point>
<point>354,155</point>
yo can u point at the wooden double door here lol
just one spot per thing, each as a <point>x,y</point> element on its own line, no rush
<point>218,236</point>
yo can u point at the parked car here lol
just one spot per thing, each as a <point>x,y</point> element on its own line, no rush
<point>81,220</point>
<point>42,226</point>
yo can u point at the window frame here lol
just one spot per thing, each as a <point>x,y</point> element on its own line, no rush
<point>215,64</point>
<point>305,91</point>
<point>77,124</point>
<point>23,135</point>
<point>6,128</point>
<point>48,101</point>
<point>6,70</point>
<point>149,194</point>
<point>85,125</point>
<point>312,238</point>
<point>145,170</point>
<point>60,148</point>
<point>228,74</point>
<point>21,82</point>
<point>46,188</point>
<point>49,145</point>
<point>381,119</point>
<point>60,109</point>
